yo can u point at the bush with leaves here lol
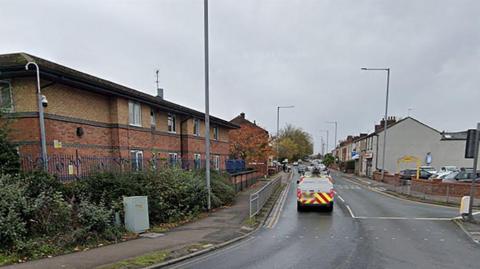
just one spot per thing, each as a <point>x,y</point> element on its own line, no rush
<point>9,159</point>
<point>96,222</point>
<point>13,208</point>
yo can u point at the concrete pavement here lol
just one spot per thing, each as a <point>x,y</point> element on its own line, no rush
<point>366,230</point>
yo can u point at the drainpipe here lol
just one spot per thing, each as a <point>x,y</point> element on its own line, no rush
<point>43,143</point>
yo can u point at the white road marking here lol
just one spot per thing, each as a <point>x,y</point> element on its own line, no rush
<point>350,211</point>
<point>401,218</point>
<point>341,199</point>
<point>278,207</point>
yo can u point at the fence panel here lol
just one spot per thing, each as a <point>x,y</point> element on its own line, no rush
<point>71,167</point>
<point>260,197</point>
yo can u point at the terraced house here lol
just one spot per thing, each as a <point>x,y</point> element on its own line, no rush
<point>88,117</point>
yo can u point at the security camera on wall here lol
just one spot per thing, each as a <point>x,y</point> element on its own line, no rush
<point>44,101</point>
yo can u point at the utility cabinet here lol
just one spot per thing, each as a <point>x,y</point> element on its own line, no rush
<point>136,213</point>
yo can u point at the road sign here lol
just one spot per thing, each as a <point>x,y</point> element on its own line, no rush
<point>470,145</point>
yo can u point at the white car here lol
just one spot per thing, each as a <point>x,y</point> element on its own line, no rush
<point>315,191</point>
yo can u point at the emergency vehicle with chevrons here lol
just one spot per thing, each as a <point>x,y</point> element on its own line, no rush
<point>315,191</point>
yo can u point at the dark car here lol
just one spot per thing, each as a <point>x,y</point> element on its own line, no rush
<point>466,175</point>
<point>408,173</point>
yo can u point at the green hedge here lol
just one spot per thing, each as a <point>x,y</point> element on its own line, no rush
<point>41,216</point>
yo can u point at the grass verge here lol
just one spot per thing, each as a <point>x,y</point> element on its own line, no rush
<point>140,261</point>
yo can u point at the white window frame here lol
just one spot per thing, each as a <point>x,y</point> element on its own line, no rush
<point>153,118</point>
<point>216,162</point>
<point>7,87</point>
<point>171,123</point>
<point>215,133</point>
<point>196,127</point>
<point>134,113</point>
<point>137,159</point>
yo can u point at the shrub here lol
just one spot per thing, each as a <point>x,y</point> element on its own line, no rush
<point>96,221</point>
<point>49,214</point>
<point>13,206</point>
<point>9,159</point>
<point>108,188</point>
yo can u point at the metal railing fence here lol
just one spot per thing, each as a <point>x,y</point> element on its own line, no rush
<point>259,198</point>
<point>70,167</point>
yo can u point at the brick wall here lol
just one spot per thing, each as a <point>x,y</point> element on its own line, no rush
<point>104,121</point>
<point>392,179</point>
<point>443,189</point>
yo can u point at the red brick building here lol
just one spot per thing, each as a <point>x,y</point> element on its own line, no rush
<point>251,141</point>
<point>89,116</point>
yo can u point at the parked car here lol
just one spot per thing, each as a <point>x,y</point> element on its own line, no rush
<point>466,175</point>
<point>295,163</point>
<point>429,169</point>
<point>444,171</point>
<point>450,178</point>
<point>407,173</point>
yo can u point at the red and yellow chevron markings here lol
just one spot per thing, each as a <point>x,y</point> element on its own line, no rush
<point>318,198</point>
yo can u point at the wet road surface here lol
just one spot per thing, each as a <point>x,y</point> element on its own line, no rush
<point>366,230</point>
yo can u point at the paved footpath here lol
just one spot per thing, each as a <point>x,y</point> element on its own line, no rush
<point>219,226</point>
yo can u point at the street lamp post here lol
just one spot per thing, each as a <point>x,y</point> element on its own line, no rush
<point>336,123</point>
<point>327,137</point>
<point>41,118</point>
<point>207,106</point>
<point>385,122</point>
<point>278,124</point>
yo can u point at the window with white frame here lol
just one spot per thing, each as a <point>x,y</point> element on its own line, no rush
<point>172,128</point>
<point>136,159</point>
<point>215,133</point>
<point>134,113</point>
<point>216,162</point>
<point>196,127</point>
<point>172,158</point>
<point>153,122</point>
<point>197,158</point>
<point>6,100</point>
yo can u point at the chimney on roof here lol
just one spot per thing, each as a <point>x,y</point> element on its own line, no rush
<point>242,115</point>
<point>390,120</point>
<point>159,90</point>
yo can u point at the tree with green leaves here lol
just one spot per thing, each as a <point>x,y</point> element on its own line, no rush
<point>328,159</point>
<point>294,143</point>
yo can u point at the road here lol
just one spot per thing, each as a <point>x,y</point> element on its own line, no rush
<point>367,229</point>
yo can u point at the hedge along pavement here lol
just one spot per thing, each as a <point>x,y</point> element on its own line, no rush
<point>41,217</point>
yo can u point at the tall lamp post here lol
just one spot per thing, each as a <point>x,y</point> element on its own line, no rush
<point>327,137</point>
<point>385,122</point>
<point>336,123</point>
<point>278,124</point>
<point>207,106</point>
<point>41,118</point>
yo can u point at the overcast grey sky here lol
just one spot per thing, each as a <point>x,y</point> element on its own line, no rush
<point>265,53</point>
